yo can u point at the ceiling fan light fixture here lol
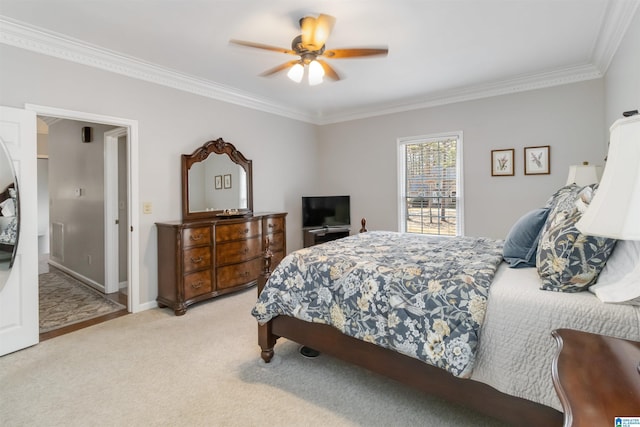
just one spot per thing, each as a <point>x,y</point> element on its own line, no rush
<point>307,29</point>
<point>296,73</point>
<point>315,31</point>
<point>316,73</point>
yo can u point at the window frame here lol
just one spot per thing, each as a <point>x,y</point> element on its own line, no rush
<point>401,176</point>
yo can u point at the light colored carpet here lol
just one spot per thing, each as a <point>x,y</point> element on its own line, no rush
<point>201,369</point>
<point>64,301</point>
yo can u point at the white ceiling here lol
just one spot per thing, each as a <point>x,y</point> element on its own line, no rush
<point>439,51</point>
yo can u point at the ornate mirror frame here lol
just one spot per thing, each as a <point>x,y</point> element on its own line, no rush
<point>220,147</point>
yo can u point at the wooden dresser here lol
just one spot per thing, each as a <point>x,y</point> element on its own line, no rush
<point>202,259</point>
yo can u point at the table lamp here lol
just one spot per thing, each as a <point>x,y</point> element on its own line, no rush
<point>584,174</point>
<point>614,211</point>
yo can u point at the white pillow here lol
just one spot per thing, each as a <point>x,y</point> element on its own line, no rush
<point>8,208</point>
<point>610,287</point>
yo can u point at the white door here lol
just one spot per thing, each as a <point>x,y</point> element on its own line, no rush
<point>19,297</point>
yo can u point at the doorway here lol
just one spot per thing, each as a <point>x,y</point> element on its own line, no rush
<point>125,139</point>
<point>78,273</point>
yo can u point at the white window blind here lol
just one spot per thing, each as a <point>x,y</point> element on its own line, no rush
<point>430,183</point>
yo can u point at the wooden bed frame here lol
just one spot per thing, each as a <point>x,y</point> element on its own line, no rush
<point>413,372</point>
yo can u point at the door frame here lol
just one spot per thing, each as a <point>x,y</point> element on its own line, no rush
<point>111,210</point>
<point>133,244</point>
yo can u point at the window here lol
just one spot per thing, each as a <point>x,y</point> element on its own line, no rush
<point>430,184</point>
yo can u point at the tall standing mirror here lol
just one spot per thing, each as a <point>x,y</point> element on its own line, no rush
<point>9,214</point>
<point>216,179</point>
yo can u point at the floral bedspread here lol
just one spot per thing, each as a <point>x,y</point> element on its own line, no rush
<point>421,296</point>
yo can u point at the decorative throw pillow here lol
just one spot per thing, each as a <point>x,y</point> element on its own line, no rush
<point>521,244</point>
<point>567,260</point>
<point>561,201</point>
<point>8,208</point>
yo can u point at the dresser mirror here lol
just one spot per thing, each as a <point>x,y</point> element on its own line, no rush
<point>217,182</point>
<point>9,215</point>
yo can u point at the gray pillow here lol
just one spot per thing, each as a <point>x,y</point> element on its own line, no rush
<point>521,243</point>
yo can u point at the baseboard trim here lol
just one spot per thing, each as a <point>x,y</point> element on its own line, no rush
<point>78,276</point>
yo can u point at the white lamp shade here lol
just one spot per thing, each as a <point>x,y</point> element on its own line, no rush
<point>316,72</point>
<point>584,174</point>
<point>296,72</point>
<point>615,209</point>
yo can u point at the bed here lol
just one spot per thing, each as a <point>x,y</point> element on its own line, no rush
<point>501,350</point>
<point>8,219</point>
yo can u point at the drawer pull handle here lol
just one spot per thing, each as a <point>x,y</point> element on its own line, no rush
<point>271,226</point>
<point>245,274</point>
<point>246,230</point>
<point>196,260</point>
<point>196,237</point>
<point>197,285</point>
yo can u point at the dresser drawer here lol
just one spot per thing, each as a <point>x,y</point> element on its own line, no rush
<point>274,225</point>
<point>197,258</point>
<point>276,241</point>
<point>235,252</point>
<point>225,232</point>
<point>238,274</point>
<point>196,284</point>
<point>196,236</point>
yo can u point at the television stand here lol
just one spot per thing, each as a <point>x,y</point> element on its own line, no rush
<point>315,236</point>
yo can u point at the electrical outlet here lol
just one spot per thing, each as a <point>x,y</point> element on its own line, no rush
<point>89,259</point>
<point>147,208</point>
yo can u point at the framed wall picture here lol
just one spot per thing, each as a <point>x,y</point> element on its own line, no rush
<point>502,162</point>
<point>218,182</point>
<point>227,181</point>
<point>537,160</point>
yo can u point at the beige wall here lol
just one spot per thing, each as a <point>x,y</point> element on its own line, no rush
<point>171,123</point>
<point>360,157</point>
<point>74,165</point>
<point>622,81</point>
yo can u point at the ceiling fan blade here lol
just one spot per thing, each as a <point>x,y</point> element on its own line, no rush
<point>279,68</point>
<point>355,52</point>
<point>328,70</point>
<point>315,31</point>
<point>262,46</point>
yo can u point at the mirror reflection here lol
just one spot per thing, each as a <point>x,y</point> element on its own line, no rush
<point>216,184</point>
<point>9,224</point>
<point>216,181</point>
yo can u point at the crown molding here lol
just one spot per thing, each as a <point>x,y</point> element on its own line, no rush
<point>615,23</point>
<point>25,36</point>
<point>520,84</point>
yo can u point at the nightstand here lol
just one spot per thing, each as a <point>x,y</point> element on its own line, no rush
<point>597,378</point>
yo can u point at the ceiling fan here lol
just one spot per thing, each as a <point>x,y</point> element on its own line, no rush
<point>310,47</point>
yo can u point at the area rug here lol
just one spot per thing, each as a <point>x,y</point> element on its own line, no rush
<point>65,301</point>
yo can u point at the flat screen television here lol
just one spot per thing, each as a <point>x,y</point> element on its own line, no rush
<point>325,211</point>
